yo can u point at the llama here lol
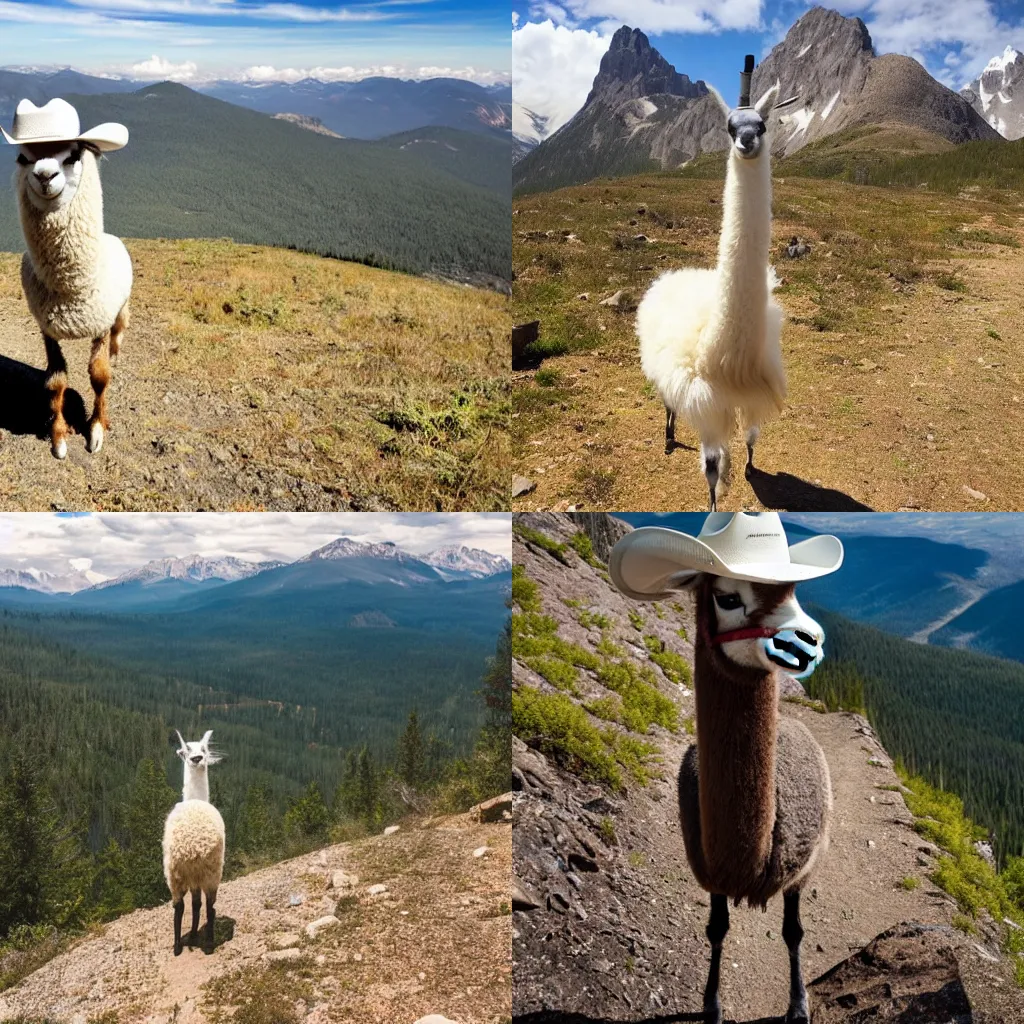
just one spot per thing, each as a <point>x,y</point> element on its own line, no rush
<point>77,279</point>
<point>710,339</point>
<point>755,794</point>
<point>194,843</point>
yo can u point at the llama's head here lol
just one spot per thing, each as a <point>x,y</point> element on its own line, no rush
<point>758,625</point>
<point>749,125</point>
<point>49,174</point>
<point>198,755</point>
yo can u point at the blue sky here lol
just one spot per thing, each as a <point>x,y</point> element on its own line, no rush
<point>110,543</point>
<point>557,44</point>
<point>196,40</point>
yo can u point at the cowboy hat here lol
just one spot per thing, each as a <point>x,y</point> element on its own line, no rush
<point>651,561</point>
<point>57,121</point>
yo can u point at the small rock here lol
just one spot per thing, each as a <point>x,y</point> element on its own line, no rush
<point>434,1018</point>
<point>583,297</point>
<point>314,928</point>
<point>495,809</point>
<point>871,844</point>
<point>284,939</point>
<point>377,890</point>
<point>522,898</point>
<point>358,957</point>
<point>390,830</point>
<point>283,954</point>
<point>296,900</point>
<point>612,300</point>
<point>481,851</point>
<point>521,485</point>
<point>975,495</point>
<point>343,880</point>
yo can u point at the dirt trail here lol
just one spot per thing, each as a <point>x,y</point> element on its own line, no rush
<point>914,401</point>
<point>437,941</point>
<point>623,939</point>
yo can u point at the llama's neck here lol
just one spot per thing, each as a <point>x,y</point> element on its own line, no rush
<point>737,720</point>
<point>743,250</point>
<point>197,785</point>
<point>64,243</point>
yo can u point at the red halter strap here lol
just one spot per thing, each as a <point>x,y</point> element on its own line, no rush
<point>750,633</point>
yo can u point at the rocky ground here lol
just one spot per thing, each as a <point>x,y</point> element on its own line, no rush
<point>384,930</point>
<point>608,920</point>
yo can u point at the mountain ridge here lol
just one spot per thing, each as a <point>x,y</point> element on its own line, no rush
<point>641,115</point>
<point>997,94</point>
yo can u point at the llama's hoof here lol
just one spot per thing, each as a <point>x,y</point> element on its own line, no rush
<point>748,470</point>
<point>798,1013</point>
<point>95,442</point>
<point>177,948</point>
<point>60,449</point>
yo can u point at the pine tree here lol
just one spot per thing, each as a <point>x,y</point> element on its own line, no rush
<point>492,760</point>
<point>259,829</point>
<point>151,800</point>
<point>368,790</point>
<point>412,765</point>
<point>308,818</point>
<point>346,797</point>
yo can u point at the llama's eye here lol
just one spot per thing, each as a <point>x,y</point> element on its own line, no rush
<point>70,160</point>
<point>761,129</point>
<point>728,602</point>
<point>23,160</point>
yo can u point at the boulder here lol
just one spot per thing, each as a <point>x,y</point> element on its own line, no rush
<point>494,809</point>
<point>314,928</point>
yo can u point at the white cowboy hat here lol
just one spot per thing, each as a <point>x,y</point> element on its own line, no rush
<point>57,121</point>
<point>651,561</point>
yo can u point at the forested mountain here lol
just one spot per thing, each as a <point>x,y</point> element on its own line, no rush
<point>991,624</point>
<point>952,716</point>
<point>339,706</point>
<point>197,167</point>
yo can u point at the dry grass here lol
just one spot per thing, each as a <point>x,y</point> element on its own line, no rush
<point>893,345</point>
<point>375,382</point>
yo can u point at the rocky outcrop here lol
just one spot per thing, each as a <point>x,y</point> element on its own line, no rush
<point>997,94</point>
<point>632,68</point>
<point>602,529</point>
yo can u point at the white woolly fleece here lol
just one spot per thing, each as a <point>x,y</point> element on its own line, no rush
<point>710,339</point>
<point>76,278</point>
<point>193,848</point>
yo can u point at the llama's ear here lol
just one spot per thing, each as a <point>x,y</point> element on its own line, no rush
<point>182,745</point>
<point>767,101</point>
<point>726,109</point>
<point>205,741</point>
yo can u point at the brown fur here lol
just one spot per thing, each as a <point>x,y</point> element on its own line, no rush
<point>754,792</point>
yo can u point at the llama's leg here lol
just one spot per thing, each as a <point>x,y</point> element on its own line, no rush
<point>792,934</point>
<point>211,917</point>
<point>753,433</point>
<point>670,430</point>
<point>99,375</point>
<point>117,331</point>
<point>197,906</point>
<point>56,384</point>
<point>179,913</point>
<point>715,462</point>
<point>718,926</point>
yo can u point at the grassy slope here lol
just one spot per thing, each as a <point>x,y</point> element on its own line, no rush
<point>898,344</point>
<point>365,381</point>
<point>196,166</point>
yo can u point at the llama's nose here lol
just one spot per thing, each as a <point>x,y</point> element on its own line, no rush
<point>45,176</point>
<point>745,140</point>
<point>196,758</point>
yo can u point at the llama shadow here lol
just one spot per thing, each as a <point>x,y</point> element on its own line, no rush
<point>789,493</point>
<point>683,445</point>
<point>223,931</point>
<point>557,1017</point>
<point>25,402</point>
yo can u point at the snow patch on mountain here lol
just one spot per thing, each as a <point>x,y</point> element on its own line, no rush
<point>191,569</point>
<point>49,582</point>
<point>998,93</point>
<point>456,560</point>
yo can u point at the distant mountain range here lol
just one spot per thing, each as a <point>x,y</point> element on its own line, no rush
<point>197,167</point>
<point>168,580</point>
<point>642,114</point>
<point>997,94</point>
<point>368,109</point>
<point>529,130</point>
<point>931,591</point>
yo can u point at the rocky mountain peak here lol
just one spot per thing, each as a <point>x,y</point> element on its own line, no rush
<point>633,68</point>
<point>997,94</point>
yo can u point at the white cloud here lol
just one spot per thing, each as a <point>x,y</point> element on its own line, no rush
<point>658,16</point>
<point>112,543</point>
<point>553,68</point>
<point>164,70</point>
<point>515,19</point>
<point>220,8</point>
<point>926,29</point>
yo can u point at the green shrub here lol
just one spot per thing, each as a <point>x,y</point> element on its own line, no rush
<point>525,592</point>
<point>539,540</point>
<point>606,830</point>
<point>547,378</point>
<point>643,704</point>
<point>636,620</point>
<point>673,665</point>
<point>593,620</point>
<point>910,882</point>
<point>560,674</point>
<point>583,547</point>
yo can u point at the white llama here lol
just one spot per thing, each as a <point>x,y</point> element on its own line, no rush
<point>194,843</point>
<point>709,339</point>
<point>77,279</point>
